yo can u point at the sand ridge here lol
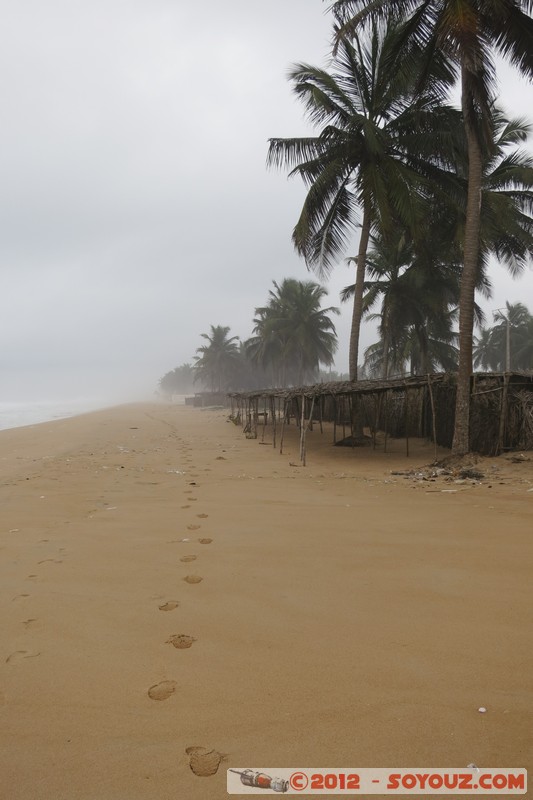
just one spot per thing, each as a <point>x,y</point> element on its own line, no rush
<point>340,614</point>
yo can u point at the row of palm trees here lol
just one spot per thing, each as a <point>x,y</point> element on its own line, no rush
<point>447,186</point>
<point>292,336</point>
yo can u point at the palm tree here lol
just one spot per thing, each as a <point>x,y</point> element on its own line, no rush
<point>218,360</point>
<point>467,33</point>
<point>486,352</point>
<point>507,345</point>
<point>356,162</point>
<point>265,348</point>
<point>418,299</point>
<point>523,352</point>
<point>293,333</point>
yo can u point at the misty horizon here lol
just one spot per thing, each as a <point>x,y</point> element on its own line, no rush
<point>137,209</point>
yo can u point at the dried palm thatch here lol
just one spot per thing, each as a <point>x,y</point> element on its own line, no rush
<point>501,415</point>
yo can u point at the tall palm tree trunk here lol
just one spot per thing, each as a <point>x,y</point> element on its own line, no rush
<point>461,434</point>
<point>425,365</point>
<point>386,347</point>
<point>357,313</point>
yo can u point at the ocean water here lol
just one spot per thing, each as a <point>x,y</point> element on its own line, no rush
<point>16,414</point>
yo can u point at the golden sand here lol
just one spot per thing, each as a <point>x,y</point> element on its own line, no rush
<point>332,615</point>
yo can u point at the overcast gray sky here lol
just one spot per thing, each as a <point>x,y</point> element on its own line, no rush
<point>136,209</point>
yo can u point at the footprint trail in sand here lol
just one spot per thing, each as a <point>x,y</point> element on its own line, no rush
<point>162,691</point>
<point>204,762</point>
<point>170,605</point>
<point>18,655</point>
<point>181,641</point>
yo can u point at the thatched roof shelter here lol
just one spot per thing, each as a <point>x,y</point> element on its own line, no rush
<point>421,405</point>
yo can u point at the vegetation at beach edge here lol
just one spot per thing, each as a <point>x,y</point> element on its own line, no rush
<point>429,194</point>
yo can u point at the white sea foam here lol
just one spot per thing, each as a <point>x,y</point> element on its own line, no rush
<point>16,414</point>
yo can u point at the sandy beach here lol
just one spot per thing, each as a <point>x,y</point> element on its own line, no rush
<point>168,584</point>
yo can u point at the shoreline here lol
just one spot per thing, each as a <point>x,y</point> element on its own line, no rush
<point>46,411</point>
<point>344,615</point>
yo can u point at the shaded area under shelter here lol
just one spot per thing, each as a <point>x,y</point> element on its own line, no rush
<point>501,411</point>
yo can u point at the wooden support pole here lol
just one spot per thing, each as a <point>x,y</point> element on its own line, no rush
<point>255,416</point>
<point>406,421</point>
<point>433,415</point>
<point>283,426</point>
<point>302,425</point>
<point>350,406</point>
<point>274,421</point>
<point>503,414</point>
<point>264,417</point>
<point>377,399</point>
<point>305,428</point>
<point>387,393</point>
<point>343,417</point>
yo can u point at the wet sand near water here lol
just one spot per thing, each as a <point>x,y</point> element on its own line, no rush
<point>177,600</point>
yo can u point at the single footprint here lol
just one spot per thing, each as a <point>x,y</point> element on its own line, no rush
<point>170,605</point>
<point>28,622</point>
<point>52,560</point>
<point>162,691</point>
<point>185,506</point>
<point>202,516</point>
<point>193,579</point>
<point>19,654</point>
<point>204,762</point>
<point>20,595</point>
<point>188,558</point>
<point>193,498</point>
<point>207,540</point>
<point>220,458</point>
<point>181,641</point>
<point>193,527</point>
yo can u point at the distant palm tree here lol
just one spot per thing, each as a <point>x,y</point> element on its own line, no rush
<point>356,163</point>
<point>218,360</point>
<point>178,381</point>
<point>418,303</point>
<point>466,33</point>
<point>487,352</point>
<point>293,333</point>
<point>523,348</point>
<point>266,348</point>
<point>508,344</point>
